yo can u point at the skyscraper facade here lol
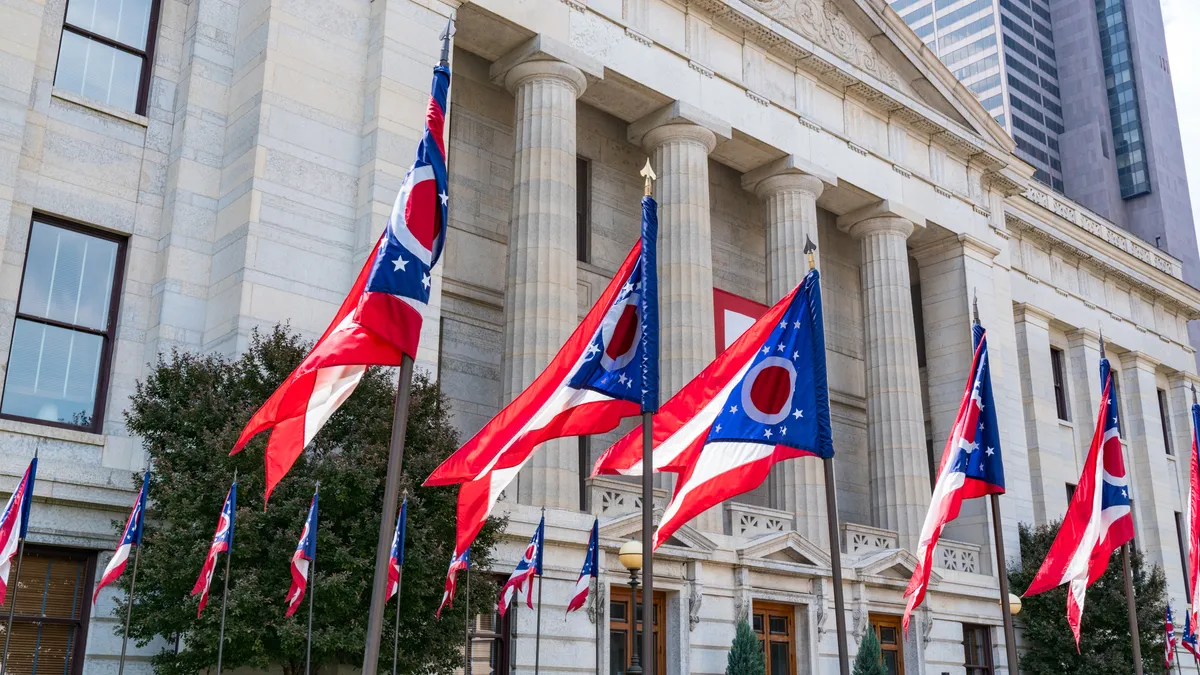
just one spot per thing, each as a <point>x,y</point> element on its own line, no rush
<point>1084,88</point>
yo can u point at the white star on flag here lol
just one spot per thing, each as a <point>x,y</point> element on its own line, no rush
<point>445,198</point>
<point>798,414</point>
<point>767,433</point>
<point>425,281</point>
<point>399,264</point>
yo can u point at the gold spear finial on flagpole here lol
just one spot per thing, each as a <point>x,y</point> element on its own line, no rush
<point>648,172</point>
<point>810,248</point>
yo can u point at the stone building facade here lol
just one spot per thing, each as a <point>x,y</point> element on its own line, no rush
<point>229,168</point>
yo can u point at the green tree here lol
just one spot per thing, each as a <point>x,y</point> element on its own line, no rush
<point>1104,642</point>
<point>746,654</point>
<point>188,413</point>
<point>869,660</point>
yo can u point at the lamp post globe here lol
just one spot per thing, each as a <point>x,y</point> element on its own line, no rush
<point>630,556</point>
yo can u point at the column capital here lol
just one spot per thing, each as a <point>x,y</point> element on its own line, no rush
<point>1024,312</point>
<point>1142,360</point>
<point>541,55</point>
<point>882,216</point>
<point>788,173</point>
<point>676,121</point>
<point>1085,337</point>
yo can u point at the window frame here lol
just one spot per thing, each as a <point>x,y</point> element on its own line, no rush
<point>85,607</point>
<point>109,335</point>
<point>622,594</point>
<point>147,55</point>
<point>1060,384</point>
<point>502,637</point>
<point>774,609</point>
<point>988,667</point>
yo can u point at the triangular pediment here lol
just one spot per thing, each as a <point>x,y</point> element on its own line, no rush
<point>892,565</point>
<point>786,547</point>
<point>629,526</point>
<point>873,40</point>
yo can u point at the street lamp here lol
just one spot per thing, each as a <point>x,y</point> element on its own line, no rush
<point>1014,604</point>
<point>630,556</point>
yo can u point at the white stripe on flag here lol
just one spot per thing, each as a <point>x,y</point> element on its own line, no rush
<point>716,460</point>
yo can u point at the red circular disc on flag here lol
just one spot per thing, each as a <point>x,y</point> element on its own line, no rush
<point>621,333</point>
<point>767,390</point>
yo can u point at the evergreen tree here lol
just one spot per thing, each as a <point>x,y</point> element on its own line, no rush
<point>1104,643</point>
<point>869,661</point>
<point>746,654</point>
<point>188,413</point>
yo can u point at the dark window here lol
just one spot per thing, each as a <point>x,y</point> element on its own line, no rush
<point>933,461</point>
<point>1070,492</point>
<point>585,469</point>
<point>773,625</point>
<point>491,640</point>
<point>106,51</point>
<point>583,200</point>
<point>891,646</point>
<point>1183,552</point>
<point>65,326</point>
<point>977,648</point>
<point>52,603</point>
<point>1060,384</point>
<point>1164,421</point>
<point>624,636</point>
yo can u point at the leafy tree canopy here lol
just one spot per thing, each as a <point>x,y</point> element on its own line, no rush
<point>746,654</point>
<point>1105,646</point>
<point>188,413</point>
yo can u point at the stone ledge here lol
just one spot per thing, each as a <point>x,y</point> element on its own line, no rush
<point>102,108</point>
<point>57,433</point>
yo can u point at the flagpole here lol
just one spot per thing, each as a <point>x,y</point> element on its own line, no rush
<point>648,651</point>
<point>537,640</point>
<point>396,632</point>
<point>312,589</point>
<point>12,600</point>
<point>12,604</point>
<point>225,593</point>
<point>129,609</point>
<point>467,625</point>
<point>1010,634</point>
<point>835,543</point>
<point>1131,605</point>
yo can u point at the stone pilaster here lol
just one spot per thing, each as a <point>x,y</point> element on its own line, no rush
<point>540,297</point>
<point>1148,466</point>
<point>1083,345</point>
<point>790,199</point>
<point>899,480</point>
<point>1051,462</point>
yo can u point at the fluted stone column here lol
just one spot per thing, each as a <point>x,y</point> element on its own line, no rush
<point>895,419</point>
<point>540,298</point>
<point>790,200</point>
<point>679,153</point>
<point>678,139</point>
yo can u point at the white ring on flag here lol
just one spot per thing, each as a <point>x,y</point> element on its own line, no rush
<point>748,405</point>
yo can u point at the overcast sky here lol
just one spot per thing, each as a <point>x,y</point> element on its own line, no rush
<point>1182,20</point>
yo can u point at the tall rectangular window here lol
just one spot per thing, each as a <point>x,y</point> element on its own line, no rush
<point>1165,421</point>
<point>773,624</point>
<point>65,326</point>
<point>583,200</point>
<point>106,51</point>
<point>1183,552</point>
<point>1060,384</point>
<point>1070,492</point>
<point>52,604</point>
<point>491,640</point>
<point>977,649</point>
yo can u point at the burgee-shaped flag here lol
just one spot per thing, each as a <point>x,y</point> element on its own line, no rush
<point>762,401</point>
<point>130,537</point>
<point>971,466</point>
<point>1098,520</point>
<point>606,371</point>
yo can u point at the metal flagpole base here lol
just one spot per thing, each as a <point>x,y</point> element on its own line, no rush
<point>1131,604</point>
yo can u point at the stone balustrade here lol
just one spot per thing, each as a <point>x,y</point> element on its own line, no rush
<point>613,497</point>
<point>856,538</point>
<point>958,556</point>
<point>746,520</point>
